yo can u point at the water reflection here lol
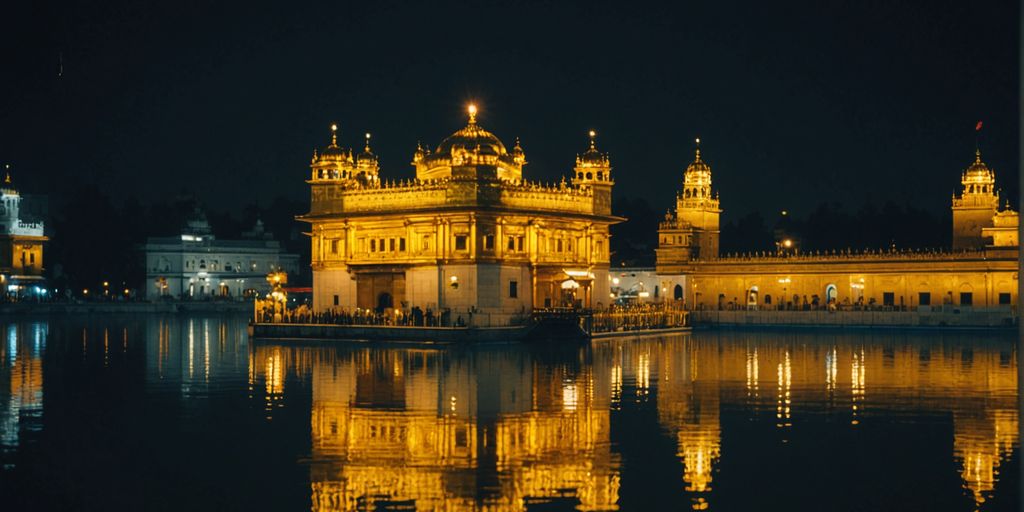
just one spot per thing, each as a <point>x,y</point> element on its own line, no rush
<point>708,421</point>
<point>21,401</point>
<point>506,428</point>
<point>453,430</point>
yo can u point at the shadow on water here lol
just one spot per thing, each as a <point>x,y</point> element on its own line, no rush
<point>175,412</point>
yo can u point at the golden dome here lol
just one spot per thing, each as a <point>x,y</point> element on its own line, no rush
<point>332,152</point>
<point>978,171</point>
<point>471,137</point>
<point>367,156</point>
<point>698,165</point>
<point>592,157</point>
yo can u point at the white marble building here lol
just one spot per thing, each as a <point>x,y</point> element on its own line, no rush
<point>197,265</point>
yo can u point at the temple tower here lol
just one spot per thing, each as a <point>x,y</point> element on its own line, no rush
<point>976,206</point>
<point>594,169</point>
<point>697,208</point>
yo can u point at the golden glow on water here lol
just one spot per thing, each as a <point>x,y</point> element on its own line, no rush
<point>857,373</point>
<point>419,427</point>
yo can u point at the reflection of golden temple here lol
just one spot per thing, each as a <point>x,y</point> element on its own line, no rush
<point>403,428</point>
<point>487,430</point>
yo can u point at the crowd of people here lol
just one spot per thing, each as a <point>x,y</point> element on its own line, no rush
<point>270,311</point>
<point>639,316</point>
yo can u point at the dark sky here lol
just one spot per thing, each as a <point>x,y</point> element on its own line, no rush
<point>796,103</point>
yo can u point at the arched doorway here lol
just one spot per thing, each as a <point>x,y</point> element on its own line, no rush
<point>752,297</point>
<point>677,292</point>
<point>831,292</point>
<point>570,288</point>
<point>384,301</point>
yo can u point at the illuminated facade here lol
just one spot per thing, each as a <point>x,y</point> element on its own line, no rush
<point>467,234</point>
<point>196,264</point>
<point>982,271</point>
<point>21,245</point>
<point>691,231</point>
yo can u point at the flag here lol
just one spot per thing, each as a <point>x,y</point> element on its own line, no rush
<point>977,127</point>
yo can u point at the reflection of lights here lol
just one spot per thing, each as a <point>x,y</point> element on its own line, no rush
<point>616,378</point>
<point>274,374</point>
<point>831,370</point>
<point>615,280</point>
<point>752,372</point>
<point>643,374</point>
<point>569,396</point>
<point>858,370</point>
<point>783,400</point>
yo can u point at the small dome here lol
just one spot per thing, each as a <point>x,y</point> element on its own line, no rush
<point>367,156</point>
<point>698,165</point>
<point>592,157</point>
<point>332,152</point>
<point>978,171</point>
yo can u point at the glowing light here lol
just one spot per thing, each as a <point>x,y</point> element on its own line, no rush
<point>593,134</point>
<point>334,127</point>
<point>615,280</point>
<point>787,243</point>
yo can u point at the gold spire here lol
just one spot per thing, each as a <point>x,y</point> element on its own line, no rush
<point>334,135</point>
<point>7,172</point>
<point>593,136</point>
<point>977,155</point>
<point>697,158</point>
<point>472,113</point>
<point>367,148</point>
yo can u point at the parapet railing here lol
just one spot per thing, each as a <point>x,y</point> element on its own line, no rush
<point>848,255</point>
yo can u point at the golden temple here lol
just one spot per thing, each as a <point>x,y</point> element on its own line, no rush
<point>468,234</point>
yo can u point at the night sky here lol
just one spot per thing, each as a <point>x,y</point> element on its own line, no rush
<point>795,103</point>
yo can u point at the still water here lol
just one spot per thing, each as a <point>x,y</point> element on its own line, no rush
<point>177,412</point>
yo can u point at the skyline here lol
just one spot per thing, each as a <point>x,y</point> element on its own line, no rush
<point>212,99</point>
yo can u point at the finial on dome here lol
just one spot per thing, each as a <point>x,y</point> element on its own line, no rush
<point>367,142</point>
<point>593,135</point>
<point>334,134</point>
<point>977,155</point>
<point>472,113</point>
<point>517,146</point>
<point>698,150</point>
<point>7,174</point>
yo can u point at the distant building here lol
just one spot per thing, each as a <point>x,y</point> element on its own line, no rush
<point>21,245</point>
<point>981,271</point>
<point>468,234</point>
<point>636,285</point>
<point>197,265</point>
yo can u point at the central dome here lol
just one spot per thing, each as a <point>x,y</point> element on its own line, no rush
<point>470,137</point>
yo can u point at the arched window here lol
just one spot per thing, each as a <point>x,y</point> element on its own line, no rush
<point>590,175</point>
<point>768,299</point>
<point>686,194</point>
<point>677,292</point>
<point>202,264</point>
<point>600,175</point>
